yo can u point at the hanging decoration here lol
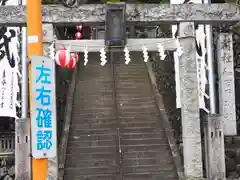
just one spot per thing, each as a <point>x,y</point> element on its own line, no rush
<point>52,51</point>
<point>161,52</point>
<point>145,54</point>
<point>103,57</point>
<point>85,56</point>
<point>127,55</point>
<point>63,57</point>
<point>78,35</point>
<point>79,28</point>
<point>72,61</point>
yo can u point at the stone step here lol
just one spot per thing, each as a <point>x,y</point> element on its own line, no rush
<point>125,107</point>
<point>132,84</point>
<point>106,114</point>
<point>156,140</point>
<point>89,132</point>
<point>90,176</point>
<point>130,130</point>
<point>143,92</point>
<point>111,152</point>
<point>97,107</point>
<point>84,110</point>
<point>159,134</point>
<point>94,95</point>
<point>77,171</point>
<point>95,121</point>
<point>85,144</point>
<point>94,103</point>
<point>135,97</point>
<point>144,147</point>
<point>144,118</point>
<point>91,163</point>
<point>140,124</point>
<point>90,156</point>
<point>136,102</point>
<point>128,114</point>
<point>160,162</point>
<point>113,124</point>
<point>91,150</point>
<point>78,116</point>
<point>134,120</point>
<point>148,168</point>
<point>135,77</point>
<point>148,154</point>
<point>124,142</point>
<point>99,91</point>
<point>99,137</point>
<point>95,125</point>
<point>161,175</point>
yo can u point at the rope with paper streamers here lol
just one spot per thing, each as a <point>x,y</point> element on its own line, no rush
<point>103,56</point>
<point>145,54</point>
<point>127,55</point>
<point>85,56</point>
<point>126,51</point>
<point>201,65</point>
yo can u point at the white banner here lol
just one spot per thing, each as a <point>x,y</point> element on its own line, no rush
<point>9,67</point>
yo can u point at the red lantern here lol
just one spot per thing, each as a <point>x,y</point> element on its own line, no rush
<point>63,57</point>
<point>79,27</point>
<point>73,60</point>
<point>78,35</point>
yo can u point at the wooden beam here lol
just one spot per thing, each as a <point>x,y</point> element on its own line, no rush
<point>148,14</point>
<point>226,83</point>
<point>191,134</point>
<point>169,44</point>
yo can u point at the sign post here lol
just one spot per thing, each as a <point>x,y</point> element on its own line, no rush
<point>35,48</point>
<point>43,125</point>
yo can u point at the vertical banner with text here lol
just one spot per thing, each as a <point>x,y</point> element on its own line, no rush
<point>9,67</point>
<point>43,117</point>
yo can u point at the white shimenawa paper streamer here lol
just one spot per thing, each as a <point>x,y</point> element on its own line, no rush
<point>145,54</point>
<point>52,52</point>
<point>161,52</point>
<point>85,56</point>
<point>103,57</point>
<point>127,55</point>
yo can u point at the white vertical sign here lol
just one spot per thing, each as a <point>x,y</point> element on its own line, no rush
<point>43,101</point>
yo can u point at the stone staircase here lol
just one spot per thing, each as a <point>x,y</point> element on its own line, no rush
<point>116,131</point>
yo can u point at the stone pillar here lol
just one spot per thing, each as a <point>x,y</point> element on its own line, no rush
<point>214,147</point>
<point>226,83</point>
<point>189,103</point>
<point>22,149</point>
